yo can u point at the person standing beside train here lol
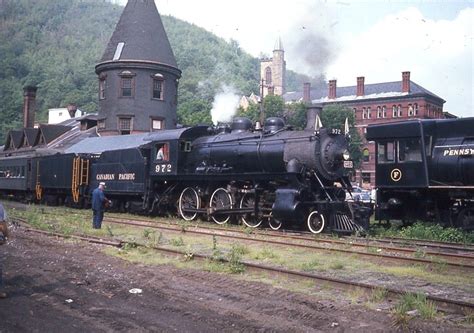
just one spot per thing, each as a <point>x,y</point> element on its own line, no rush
<point>98,205</point>
<point>3,239</point>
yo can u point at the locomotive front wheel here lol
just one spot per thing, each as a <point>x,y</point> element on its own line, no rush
<point>189,199</point>
<point>316,222</point>
<point>220,199</point>
<point>273,223</point>
<point>250,219</point>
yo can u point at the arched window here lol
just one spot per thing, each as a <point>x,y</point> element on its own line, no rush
<point>379,112</point>
<point>410,110</point>
<point>369,113</point>
<point>268,75</point>
<point>366,154</point>
<point>127,84</point>
<point>399,108</point>
<point>394,111</point>
<point>384,111</point>
<point>363,113</point>
<point>415,109</point>
<point>158,86</point>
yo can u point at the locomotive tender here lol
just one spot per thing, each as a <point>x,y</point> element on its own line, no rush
<point>274,175</point>
<point>425,170</point>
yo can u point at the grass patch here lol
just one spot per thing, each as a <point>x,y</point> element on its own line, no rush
<point>426,231</point>
<point>310,266</point>
<point>337,265</point>
<point>378,295</point>
<point>411,302</point>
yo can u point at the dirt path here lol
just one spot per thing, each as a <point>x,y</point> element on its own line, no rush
<point>42,273</point>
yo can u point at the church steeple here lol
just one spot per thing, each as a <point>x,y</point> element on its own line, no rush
<point>138,74</point>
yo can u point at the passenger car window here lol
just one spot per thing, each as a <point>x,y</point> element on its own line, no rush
<point>409,150</point>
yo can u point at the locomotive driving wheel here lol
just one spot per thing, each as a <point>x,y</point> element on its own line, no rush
<point>189,201</point>
<point>255,218</point>
<point>465,219</point>
<point>316,222</point>
<point>220,200</point>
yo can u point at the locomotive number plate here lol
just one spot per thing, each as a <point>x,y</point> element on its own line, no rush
<point>163,168</point>
<point>348,164</point>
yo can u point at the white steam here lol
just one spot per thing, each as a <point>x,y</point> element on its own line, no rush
<point>225,105</point>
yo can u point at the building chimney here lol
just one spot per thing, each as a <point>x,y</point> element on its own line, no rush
<point>332,89</point>
<point>72,108</point>
<point>29,105</point>
<point>307,92</point>
<point>406,82</point>
<point>360,86</point>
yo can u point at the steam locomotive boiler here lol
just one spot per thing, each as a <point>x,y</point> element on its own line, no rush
<point>275,175</point>
<point>425,170</point>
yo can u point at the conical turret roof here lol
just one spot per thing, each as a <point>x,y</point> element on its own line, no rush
<point>140,36</point>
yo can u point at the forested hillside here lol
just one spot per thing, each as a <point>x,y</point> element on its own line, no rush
<point>56,44</point>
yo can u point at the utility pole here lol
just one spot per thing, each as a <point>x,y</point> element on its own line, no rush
<point>262,111</point>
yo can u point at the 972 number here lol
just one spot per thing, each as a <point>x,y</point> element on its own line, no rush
<point>163,168</point>
<point>336,131</point>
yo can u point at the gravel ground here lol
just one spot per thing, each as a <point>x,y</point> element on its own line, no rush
<point>56,286</point>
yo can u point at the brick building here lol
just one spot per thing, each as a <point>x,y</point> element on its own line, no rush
<point>375,103</point>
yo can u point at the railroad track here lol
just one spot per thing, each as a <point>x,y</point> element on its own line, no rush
<point>442,303</point>
<point>356,241</point>
<point>242,236</point>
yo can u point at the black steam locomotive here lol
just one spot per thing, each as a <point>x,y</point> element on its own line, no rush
<point>425,170</point>
<point>274,175</point>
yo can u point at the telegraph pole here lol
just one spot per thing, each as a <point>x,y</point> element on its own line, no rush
<point>262,111</point>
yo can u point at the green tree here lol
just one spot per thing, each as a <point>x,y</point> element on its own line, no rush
<point>295,115</point>
<point>274,106</point>
<point>334,116</point>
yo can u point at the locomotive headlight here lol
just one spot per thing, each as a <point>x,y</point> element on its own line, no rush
<point>345,155</point>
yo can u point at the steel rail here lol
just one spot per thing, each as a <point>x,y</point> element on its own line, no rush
<point>307,246</point>
<point>446,304</point>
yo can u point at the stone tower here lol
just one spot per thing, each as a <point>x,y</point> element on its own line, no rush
<point>273,71</point>
<point>138,74</point>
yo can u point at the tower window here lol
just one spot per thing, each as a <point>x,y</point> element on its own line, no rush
<point>126,87</point>
<point>158,88</point>
<point>102,88</point>
<point>268,75</point>
<point>125,125</point>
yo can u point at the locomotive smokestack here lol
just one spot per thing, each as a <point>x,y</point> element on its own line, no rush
<point>311,114</point>
<point>29,105</point>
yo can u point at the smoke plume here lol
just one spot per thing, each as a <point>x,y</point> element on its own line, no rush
<point>225,105</point>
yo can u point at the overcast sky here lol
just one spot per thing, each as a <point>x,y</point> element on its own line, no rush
<point>345,39</point>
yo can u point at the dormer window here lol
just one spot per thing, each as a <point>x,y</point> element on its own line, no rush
<point>127,84</point>
<point>158,81</point>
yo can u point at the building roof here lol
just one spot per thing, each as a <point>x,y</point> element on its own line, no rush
<point>375,90</point>
<point>141,31</point>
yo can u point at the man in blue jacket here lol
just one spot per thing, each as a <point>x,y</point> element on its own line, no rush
<point>98,205</point>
